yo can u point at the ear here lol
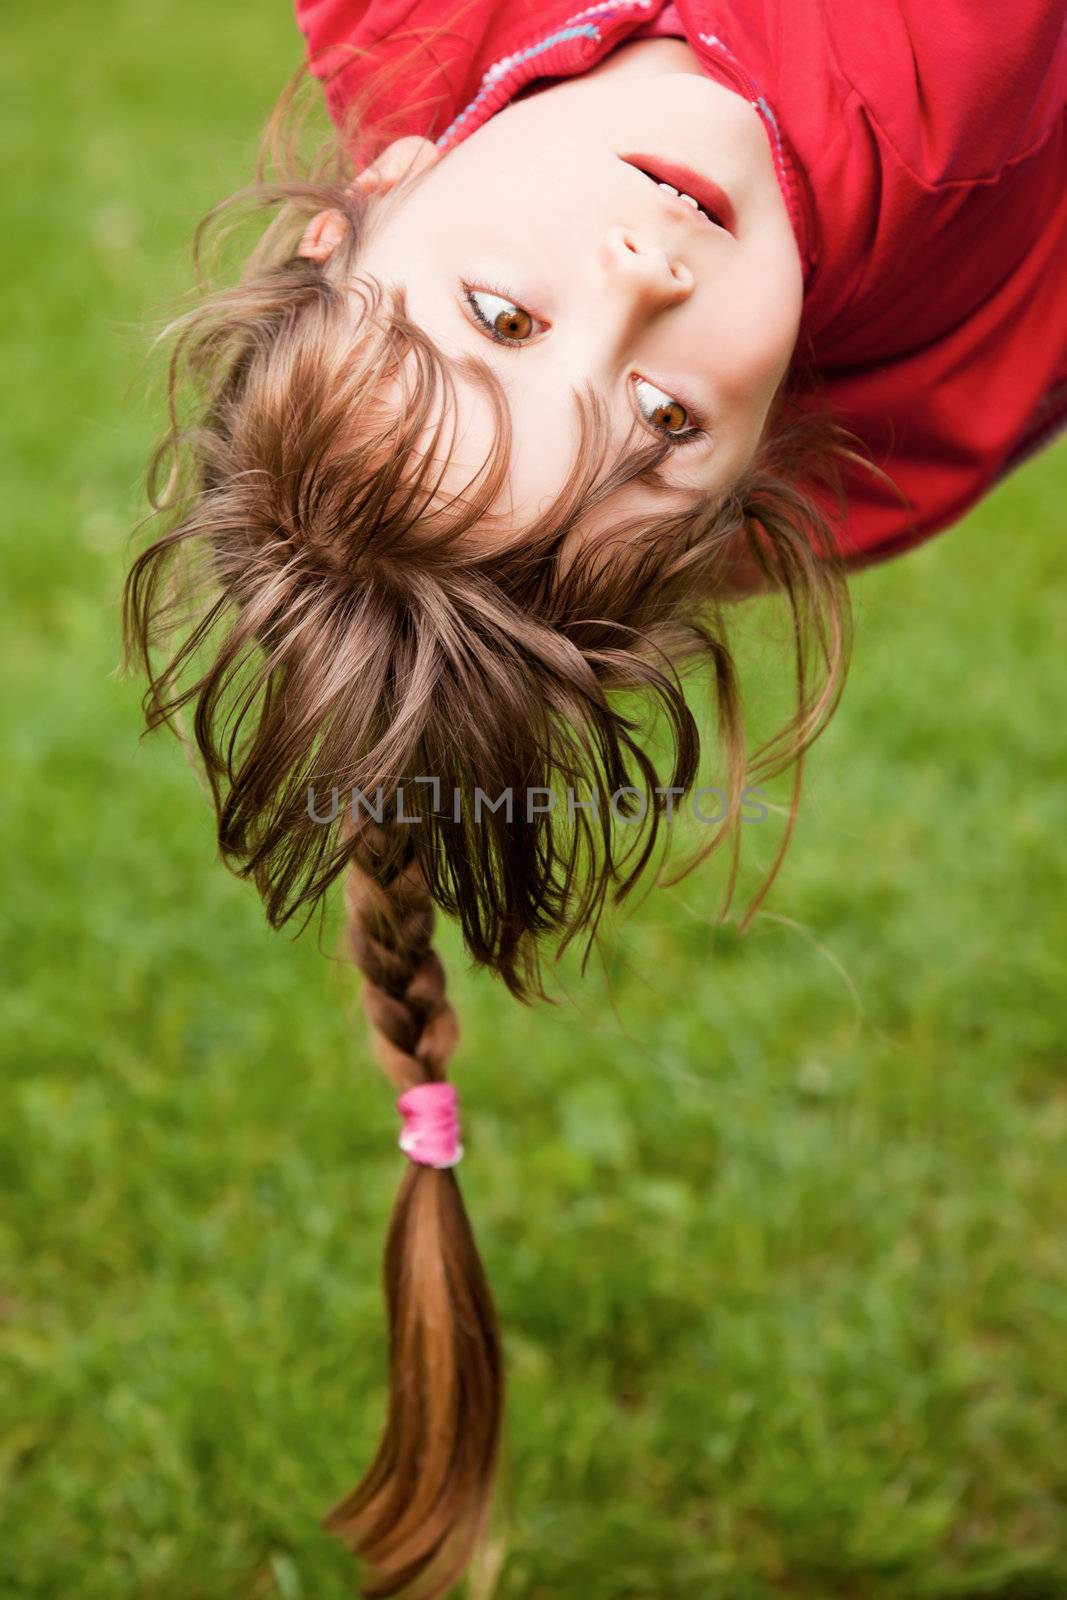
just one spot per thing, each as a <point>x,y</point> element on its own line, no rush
<point>402,159</point>
<point>322,235</point>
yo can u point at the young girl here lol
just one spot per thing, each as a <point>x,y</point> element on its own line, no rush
<point>566,343</point>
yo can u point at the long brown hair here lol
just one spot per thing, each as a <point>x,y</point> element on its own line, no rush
<point>344,632</point>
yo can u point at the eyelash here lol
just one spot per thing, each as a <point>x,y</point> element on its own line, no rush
<point>692,434</point>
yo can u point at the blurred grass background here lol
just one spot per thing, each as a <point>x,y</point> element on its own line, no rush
<point>775,1222</point>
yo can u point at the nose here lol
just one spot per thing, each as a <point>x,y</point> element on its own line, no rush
<point>652,277</point>
<point>631,282</point>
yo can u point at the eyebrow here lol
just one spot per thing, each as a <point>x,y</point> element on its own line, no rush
<point>640,449</point>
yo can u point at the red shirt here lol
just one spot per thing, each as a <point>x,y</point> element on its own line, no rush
<point>921,149</point>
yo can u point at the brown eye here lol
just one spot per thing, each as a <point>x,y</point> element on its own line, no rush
<point>666,414</point>
<point>669,417</point>
<point>514,324</point>
<point>502,318</point>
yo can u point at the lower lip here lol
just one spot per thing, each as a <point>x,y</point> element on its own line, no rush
<point>684,179</point>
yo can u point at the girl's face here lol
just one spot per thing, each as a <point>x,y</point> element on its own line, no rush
<point>597,276</point>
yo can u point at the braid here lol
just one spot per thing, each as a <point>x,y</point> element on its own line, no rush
<point>390,927</point>
<point>423,1504</point>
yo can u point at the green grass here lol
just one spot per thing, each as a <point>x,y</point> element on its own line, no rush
<point>775,1223</point>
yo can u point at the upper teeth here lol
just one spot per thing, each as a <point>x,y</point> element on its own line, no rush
<point>688,198</point>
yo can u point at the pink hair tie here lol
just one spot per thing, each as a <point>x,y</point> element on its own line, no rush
<point>431,1124</point>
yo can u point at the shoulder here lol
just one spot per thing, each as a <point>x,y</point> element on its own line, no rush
<point>959,91</point>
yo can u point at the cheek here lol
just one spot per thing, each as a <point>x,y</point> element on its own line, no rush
<point>761,332</point>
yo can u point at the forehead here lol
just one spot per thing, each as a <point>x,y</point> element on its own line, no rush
<point>543,454</point>
<point>474,411</point>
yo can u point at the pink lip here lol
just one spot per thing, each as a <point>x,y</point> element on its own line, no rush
<point>714,200</point>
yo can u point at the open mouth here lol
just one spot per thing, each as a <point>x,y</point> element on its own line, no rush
<point>705,196</point>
